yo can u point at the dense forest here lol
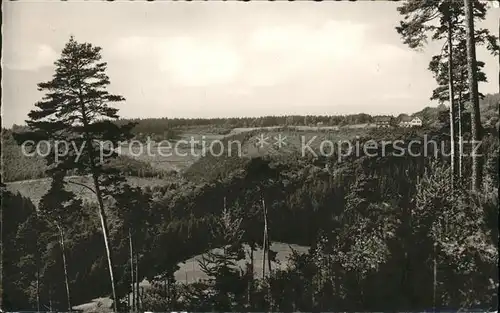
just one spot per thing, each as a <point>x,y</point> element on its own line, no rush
<point>393,230</point>
<point>158,126</point>
<point>169,128</point>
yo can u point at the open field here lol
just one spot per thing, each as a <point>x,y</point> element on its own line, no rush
<point>163,158</point>
<point>190,270</point>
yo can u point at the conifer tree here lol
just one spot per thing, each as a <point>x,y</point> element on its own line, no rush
<point>440,66</point>
<point>419,25</point>
<point>76,118</point>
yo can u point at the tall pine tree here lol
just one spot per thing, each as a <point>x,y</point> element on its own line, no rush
<point>75,117</point>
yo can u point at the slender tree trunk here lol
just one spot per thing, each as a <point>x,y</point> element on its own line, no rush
<point>251,259</point>
<point>452,102</point>
<point>460,133</point>
<point>250,281</point>
<point>1,251</point>
<point>266,249</point>
<point>166,288</point>
<point>38,288</point>
<point>264,241</point>
<point>268,246</point>
<point>128,303</point>
<point>105,232</point>
<point>434,278</point>
<point>476,127</point>
<point>102,212</point>
<point>132,269</point>
<point>264,256</point>
<point>137,292</point>
<point>65,265</point>
<point>50,298</point>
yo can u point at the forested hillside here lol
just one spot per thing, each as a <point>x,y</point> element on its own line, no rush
<point>368,197</point>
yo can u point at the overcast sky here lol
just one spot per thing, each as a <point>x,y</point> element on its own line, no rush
<point>210,59</point>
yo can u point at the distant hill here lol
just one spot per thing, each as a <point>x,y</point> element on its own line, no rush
<point>489,111</point>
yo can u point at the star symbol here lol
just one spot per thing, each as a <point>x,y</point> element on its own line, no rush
<point>280,141</point>
<point>261,141</point>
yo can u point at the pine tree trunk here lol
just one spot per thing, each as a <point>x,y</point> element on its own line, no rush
<point>264,241</point>
<point>128,304</point>
<point>38,288</point>
<point>460,134</point>
<point>264,256</point>
<point>451,92</point>
<point>474,96</point>
<point>434,278</point>
<point>132,270</point>
<point>1,250</point>
<point>251,278</point>
<point>65,265</point>
<point>102,212</point>
<point>251,259</point>
<point>266,249</point>
<point>268,246</point>
<point>137,292</point>
<point>105,233</point>
<point>166,288</point>
<point>50,298</point>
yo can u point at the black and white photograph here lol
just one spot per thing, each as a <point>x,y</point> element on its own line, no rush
<point>249,156</point>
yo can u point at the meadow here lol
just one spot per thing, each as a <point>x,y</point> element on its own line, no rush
<point>190,271</point>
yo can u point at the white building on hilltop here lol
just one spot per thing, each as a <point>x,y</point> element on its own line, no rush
<point>410,122</point>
